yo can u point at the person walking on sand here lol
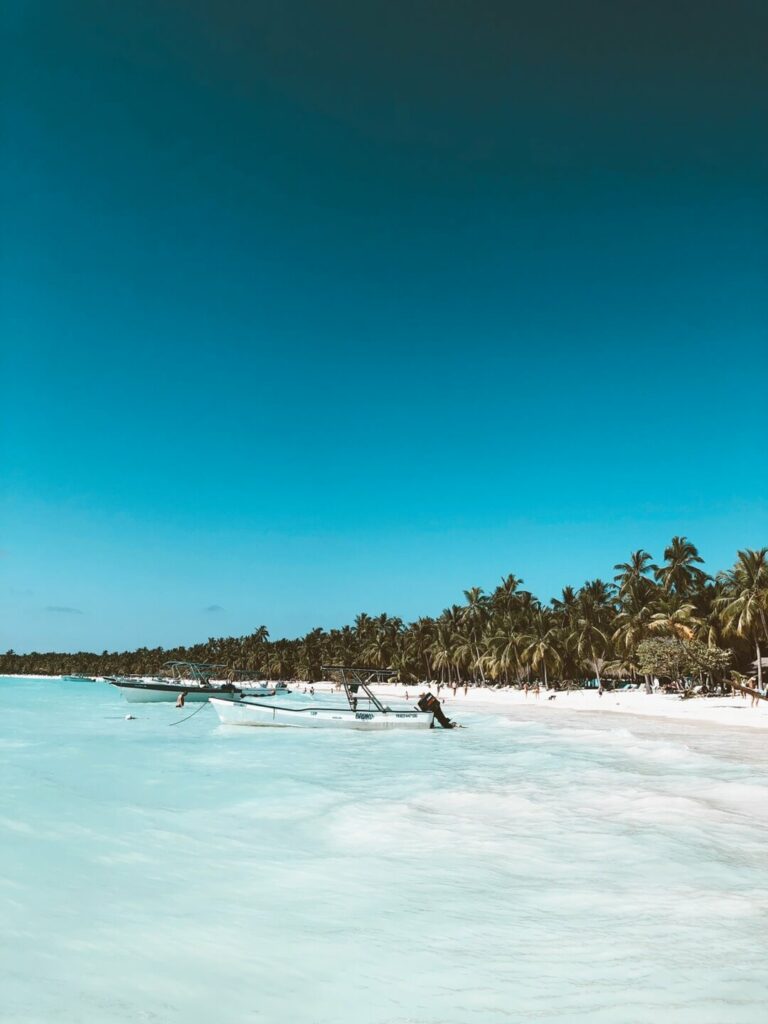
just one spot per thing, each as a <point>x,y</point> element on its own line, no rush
<point>755,694</point>
<point>466,684</point>
<point>537,689</point>
<point>525,690</point>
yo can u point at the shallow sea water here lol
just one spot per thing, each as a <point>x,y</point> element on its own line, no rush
<point>538,867</point>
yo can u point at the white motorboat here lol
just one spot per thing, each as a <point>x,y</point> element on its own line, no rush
<point>362,710</point>
<point>193,679</point>
<point>249,712</point>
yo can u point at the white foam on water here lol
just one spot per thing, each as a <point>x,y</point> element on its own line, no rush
<point>512,871</point>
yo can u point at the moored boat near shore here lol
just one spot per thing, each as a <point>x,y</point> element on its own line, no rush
<point>194,680</point>
<point>249,712</point>
<point>362,710</point>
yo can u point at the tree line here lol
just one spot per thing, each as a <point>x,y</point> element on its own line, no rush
<point>672,620</point>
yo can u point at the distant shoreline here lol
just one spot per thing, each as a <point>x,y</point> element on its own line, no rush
<point>717,711</point>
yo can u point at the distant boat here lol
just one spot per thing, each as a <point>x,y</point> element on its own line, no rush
<point>362,710</point>
<point>194,680</point>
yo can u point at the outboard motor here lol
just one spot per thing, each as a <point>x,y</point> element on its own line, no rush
<point>428,702</point>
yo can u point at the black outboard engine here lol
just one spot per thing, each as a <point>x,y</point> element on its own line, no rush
<point>428,702</point>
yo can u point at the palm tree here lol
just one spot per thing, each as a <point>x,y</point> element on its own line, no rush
<point>502,648</point>
<point>681,574</point>
<point>540,645</point>
<point>744,602</point>
<point>639,564</point>
<point>633,622</point>
<point>589,630</point>
<point>442,648</point>
<point>257,642</point>
<point>342,646</point>
<point>675,618</point>
<point>506,595</point>
<point>711,630</point>
<point>418,641</point>
<point>383,640</point>
<point>474,618</point>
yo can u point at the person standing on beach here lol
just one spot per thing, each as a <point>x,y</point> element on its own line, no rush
<point>755,694</point>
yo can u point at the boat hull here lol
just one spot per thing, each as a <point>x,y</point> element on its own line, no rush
<point>144,694</point>
<point>232,712</point>
<point>147,696</point>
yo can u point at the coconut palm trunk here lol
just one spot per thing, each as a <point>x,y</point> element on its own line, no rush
<point>479,664</point>
<point>759,667</point>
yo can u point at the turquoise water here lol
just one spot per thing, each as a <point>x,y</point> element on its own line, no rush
<point>541,867</point>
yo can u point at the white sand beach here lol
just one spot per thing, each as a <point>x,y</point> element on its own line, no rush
<point>727,711</point>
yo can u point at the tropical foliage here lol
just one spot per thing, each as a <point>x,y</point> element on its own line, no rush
<point>667,620</point>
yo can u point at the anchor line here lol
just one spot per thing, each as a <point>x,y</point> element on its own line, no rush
<point>202,705</point>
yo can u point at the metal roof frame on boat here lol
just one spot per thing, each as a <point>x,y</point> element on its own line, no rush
<point>203,670</point>
<point>356,677</point>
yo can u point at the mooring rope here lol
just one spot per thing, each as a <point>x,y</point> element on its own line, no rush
<point>202,705</point>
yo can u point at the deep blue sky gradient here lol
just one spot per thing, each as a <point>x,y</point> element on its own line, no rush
<point>309,309</point>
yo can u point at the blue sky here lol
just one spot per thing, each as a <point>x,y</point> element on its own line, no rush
<point>314,309</point>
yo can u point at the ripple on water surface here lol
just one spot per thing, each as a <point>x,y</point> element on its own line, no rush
<point>513,871</point>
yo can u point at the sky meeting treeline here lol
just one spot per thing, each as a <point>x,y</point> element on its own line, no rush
<point>669,618</point>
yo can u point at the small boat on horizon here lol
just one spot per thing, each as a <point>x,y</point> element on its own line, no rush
<point>363,709</point>
<point>196,680</point>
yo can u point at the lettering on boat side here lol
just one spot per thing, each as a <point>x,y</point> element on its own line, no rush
<point>405,714</point>
<point>364,714</point>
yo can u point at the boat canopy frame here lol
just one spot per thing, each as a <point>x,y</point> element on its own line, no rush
<point>202,671</point>
<point>355,678</point>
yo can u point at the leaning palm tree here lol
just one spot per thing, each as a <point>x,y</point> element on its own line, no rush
<point>743,605</point>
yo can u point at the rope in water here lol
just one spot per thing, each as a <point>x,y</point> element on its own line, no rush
<point>202,705</point>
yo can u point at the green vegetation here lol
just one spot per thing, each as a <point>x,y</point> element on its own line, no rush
<point>669,620</point>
